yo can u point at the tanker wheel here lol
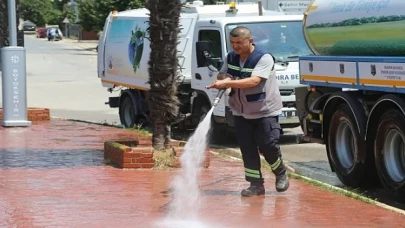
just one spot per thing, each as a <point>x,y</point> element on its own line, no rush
<point>127,114</point>
<point>389,151</point>
<point>347,148</point>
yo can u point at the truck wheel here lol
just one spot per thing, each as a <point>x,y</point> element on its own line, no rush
<point>127,112</point>
<point>346,148</point>
<point>389,151</point>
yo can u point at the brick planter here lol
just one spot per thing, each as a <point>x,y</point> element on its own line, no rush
<point>139,153</point>
<point>34,114</point>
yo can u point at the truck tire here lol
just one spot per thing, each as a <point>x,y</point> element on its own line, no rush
<point>389,151</point>
<point>346,148</point>
<point>127,112</point>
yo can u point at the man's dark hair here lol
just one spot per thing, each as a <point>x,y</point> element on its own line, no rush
<point>241,31</point>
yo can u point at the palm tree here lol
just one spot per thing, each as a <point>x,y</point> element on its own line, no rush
<point>163,68</point>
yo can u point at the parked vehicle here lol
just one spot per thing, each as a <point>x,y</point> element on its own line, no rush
<point>123,55</point>
<point>29,26</point>
<point>354,98</point>
<point>54,34</point>
<point>42,32</point>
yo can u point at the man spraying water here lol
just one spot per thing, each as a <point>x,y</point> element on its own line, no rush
<point>256,103</point>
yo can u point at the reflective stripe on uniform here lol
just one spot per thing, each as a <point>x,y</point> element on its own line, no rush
<point>276,164</point>
<point>252,173</point>
<point>246,70</point>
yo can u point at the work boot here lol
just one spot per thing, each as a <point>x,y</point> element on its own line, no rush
<point>253,191</point>
<point>282,182</point>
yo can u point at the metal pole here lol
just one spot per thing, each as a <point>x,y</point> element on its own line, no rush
<point>14,87</point>
<point>12,22</point>
<point>260,8</point>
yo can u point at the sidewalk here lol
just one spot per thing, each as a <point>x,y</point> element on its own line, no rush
<point>53,175</point>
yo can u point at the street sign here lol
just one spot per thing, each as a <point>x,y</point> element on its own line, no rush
<point>293,7</point>
<point>293,4</point>
<point>66,20</point>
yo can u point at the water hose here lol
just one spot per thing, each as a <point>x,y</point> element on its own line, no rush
<point>221,92</point>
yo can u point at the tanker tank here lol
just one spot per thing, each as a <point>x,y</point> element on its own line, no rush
<point>356,27</point>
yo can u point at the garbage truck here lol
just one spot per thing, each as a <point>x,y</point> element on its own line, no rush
<point>352,97</point>
<point>124,48</point>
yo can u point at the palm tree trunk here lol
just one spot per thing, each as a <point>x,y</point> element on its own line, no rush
<point>163,68</point>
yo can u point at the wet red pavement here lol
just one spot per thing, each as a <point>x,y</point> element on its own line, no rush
<point>53,175</point>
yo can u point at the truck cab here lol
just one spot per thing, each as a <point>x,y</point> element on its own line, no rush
<point>280,35</point>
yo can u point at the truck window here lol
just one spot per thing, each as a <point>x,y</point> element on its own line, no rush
<point>284,40</point>
<point>214,37</point>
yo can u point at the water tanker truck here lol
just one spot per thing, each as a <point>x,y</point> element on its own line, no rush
<point>123,55</point>
<point>353,100</point>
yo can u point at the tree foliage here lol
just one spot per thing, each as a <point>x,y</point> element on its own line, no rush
<point>92,13</point>
<point>42,12</point>
<point>35,11</point>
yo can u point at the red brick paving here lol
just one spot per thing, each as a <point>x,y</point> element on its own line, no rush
<point>52,175</point>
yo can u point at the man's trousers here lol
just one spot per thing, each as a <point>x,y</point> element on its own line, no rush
<point>259,136</point>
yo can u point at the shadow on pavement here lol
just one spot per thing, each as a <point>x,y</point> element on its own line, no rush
<point>82,49</point>
<point>28,158</point>
<point>88,54</point>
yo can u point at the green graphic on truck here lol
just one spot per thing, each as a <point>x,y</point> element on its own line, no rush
<point>135,47</point>
<point>124,49</point>
<point>369,27</point>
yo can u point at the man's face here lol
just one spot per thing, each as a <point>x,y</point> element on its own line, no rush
<point>241,44</point>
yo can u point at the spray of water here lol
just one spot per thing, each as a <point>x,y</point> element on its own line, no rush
<point>185,204</point>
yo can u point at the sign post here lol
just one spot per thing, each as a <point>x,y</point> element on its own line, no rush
<point>14,86</point>
<point>66,22</point>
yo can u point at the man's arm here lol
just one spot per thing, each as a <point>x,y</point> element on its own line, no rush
<point>260,72</point>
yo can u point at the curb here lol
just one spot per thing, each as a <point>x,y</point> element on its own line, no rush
<point>327,187</point>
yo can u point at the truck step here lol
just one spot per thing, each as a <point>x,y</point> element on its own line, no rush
<point>316,111</point>
<point>315,121</point>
